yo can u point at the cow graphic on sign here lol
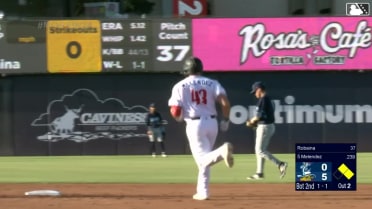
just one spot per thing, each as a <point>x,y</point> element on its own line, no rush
<point>65,123</point>
<point>82,116</point>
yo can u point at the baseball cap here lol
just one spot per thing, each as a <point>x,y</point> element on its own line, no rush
<point>152,105</point>
<point>257,85</point>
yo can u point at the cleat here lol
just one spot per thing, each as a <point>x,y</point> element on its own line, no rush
<point>227,151</point>
<point>199,197</point>
<point>257,176</point>
<point>283,169</point>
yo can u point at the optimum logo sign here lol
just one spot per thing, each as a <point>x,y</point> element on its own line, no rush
<point>288,112</point>
<point>82,116</point>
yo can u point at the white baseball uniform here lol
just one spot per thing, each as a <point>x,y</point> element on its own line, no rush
<point>197,95</point>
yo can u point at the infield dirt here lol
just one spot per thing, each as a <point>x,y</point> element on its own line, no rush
<point>141,196</point>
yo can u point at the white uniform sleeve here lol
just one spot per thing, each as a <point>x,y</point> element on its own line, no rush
<point>175,99</point>
<point>219,90</point>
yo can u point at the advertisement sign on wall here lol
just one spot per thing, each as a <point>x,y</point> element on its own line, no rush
<point>104,114</point>
<point>80,120</point>
<point>161,45</point>
<point>261,44</point>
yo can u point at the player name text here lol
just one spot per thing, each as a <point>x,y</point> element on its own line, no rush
<point>9,65</point>
<point>309,157</point>
<point>198,83</point>
<point>305,148</point>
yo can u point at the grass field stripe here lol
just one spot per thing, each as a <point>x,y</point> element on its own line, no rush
<point>145,169</point>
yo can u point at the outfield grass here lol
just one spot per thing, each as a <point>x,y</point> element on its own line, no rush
<point>144,169</point>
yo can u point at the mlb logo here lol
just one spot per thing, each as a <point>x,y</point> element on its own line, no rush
<point>357,9</point>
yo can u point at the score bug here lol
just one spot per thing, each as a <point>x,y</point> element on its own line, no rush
<point>332,167</point>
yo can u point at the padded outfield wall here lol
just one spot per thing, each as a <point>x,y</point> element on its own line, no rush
<point>104,114</point>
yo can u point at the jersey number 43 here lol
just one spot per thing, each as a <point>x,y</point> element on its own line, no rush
<point>199,96</point>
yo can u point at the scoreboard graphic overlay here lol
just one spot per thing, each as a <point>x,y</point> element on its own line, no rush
<point>326,167</point>
<point>162,45</point>
<point>91,46</point>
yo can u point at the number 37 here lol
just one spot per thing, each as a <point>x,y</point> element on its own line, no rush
<point>167,52</point>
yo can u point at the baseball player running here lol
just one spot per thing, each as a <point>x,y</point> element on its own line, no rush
<point>193,100</point>
<point>264,119</point>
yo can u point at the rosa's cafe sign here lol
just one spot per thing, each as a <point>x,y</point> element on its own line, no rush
<point>283,43</point>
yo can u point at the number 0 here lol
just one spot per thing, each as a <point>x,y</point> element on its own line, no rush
<point>73,49</point>
<point>324,167</point>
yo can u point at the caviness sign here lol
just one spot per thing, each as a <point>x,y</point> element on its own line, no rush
<point>81,120</point>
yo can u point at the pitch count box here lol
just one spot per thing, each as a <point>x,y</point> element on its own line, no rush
<point>326,167</point>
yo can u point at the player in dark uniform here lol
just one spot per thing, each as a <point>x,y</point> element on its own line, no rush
<point>265,120</point>
<point>155,130</point>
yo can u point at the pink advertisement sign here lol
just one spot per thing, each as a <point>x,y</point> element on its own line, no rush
<point>277,44</point>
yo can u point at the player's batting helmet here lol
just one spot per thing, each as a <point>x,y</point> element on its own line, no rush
<point>193,65</point>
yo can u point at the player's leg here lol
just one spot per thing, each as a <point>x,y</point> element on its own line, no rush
<point>160,139</point>
<point>259,158</point>
<point>199,146</point>
<point>281,164</point>
<point>202,135</point>
<point>268,132</point>
<point>163,153</point>
<point>152,145</point>
<point>224,152</point>
<point>263,136</point>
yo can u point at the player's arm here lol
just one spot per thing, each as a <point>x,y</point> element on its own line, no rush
<point>255,119</point>
<point>147,120</point>
<point>259,112</point>
<point>222,100</point>
<point>225,105</point>
<point>225,109</point>
<point>148,124</point>
<point>176,111</point>
<point>161,121</point>
<point>175,104</point>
